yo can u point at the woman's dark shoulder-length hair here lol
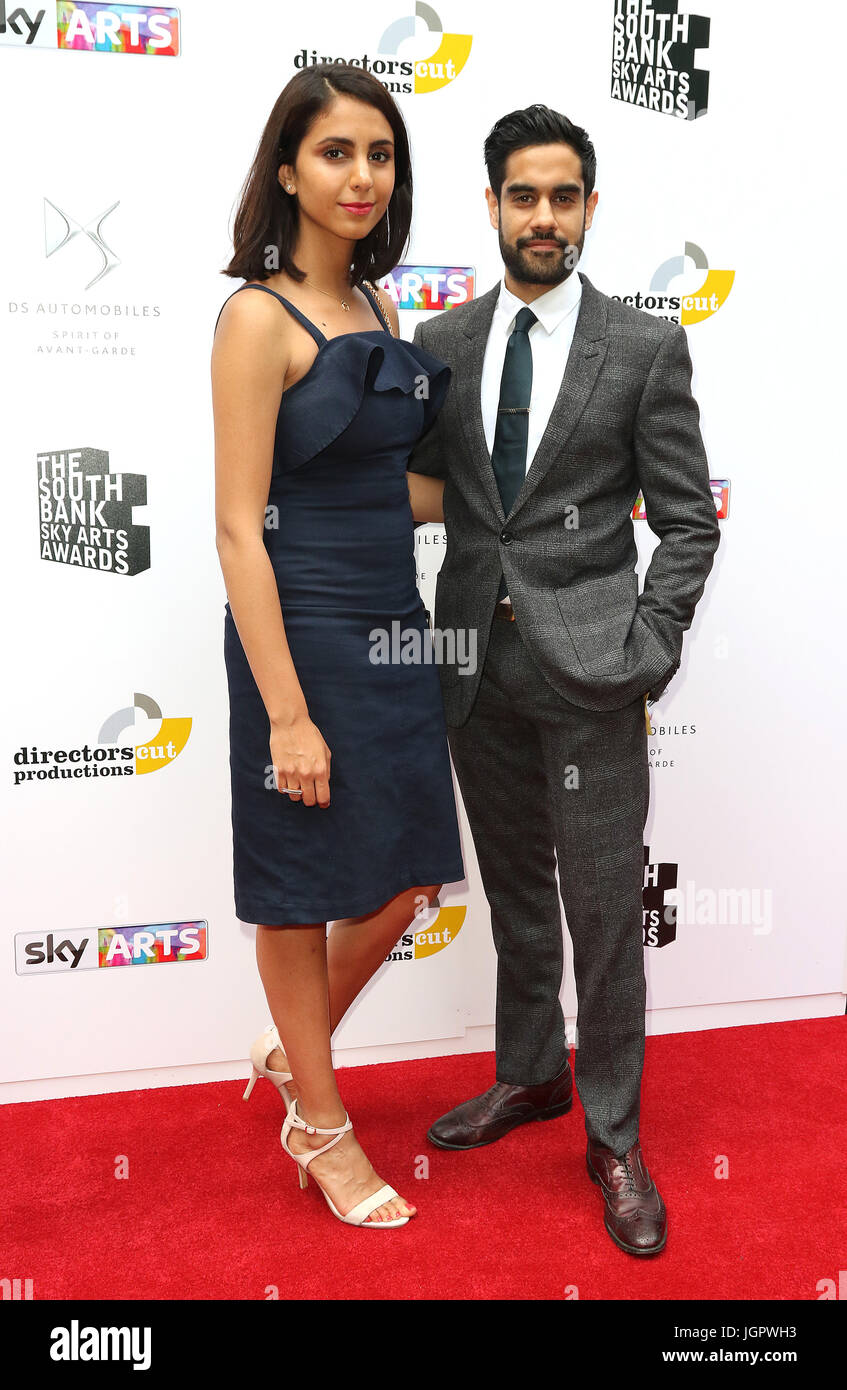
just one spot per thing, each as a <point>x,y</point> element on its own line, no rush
<point>265,227</point>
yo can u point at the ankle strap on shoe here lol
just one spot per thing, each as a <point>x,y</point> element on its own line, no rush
<point>293,1121</point>
<point>299,1123</point>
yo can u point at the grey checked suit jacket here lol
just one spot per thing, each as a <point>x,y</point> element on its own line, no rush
<point>624,419</point>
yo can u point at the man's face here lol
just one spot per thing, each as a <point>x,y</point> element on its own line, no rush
<point>542,216</point>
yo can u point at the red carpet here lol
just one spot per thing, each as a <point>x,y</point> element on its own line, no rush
<point>212,1209</point>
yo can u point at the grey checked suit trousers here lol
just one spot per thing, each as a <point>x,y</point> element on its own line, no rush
<point>541,780</point>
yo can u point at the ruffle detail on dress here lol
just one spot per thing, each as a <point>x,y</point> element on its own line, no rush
<point>320,406</point>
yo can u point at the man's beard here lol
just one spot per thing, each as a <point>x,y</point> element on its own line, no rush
<point>550,269</point>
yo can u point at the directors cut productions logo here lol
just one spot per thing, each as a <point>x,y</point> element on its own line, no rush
<point>685,309</point>
<point>85,513</point>
<point>149,30</point>
<point>435,928</point>
<point>428,70</point>
<point>654,55</point>
<point>108,758</point>
<point>160,943</point>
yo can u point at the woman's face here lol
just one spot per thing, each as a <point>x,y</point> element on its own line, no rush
<point>346,158</point>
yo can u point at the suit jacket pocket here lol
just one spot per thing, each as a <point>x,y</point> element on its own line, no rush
<point>598,614</point>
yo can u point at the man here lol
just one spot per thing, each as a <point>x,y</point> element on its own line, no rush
<point>563,403</point>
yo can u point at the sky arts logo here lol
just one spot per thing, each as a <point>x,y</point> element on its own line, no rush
<point>108,758</point>
<point>85,513</point>
<point>681,306</point>
<point>422,68</point>
<point>149,30</point>
<point>435,928</point>
<point>654,57</point>
<point>720,492</point>
<point>429,286</point>
<point>159,943</point>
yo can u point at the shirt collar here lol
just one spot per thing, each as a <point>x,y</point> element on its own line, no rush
<point>550,308</point>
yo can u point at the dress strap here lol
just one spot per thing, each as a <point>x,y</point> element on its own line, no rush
<point>377,306</point>
<point>316,333</point>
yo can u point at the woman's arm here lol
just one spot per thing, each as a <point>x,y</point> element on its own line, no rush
<point>427,498</point>
<point>249,363</point>
<point>425,494</point>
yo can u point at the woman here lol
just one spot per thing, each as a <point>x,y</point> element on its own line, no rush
<point>342,795</point>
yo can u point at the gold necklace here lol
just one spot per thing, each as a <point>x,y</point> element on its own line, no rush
<point>342,302</point>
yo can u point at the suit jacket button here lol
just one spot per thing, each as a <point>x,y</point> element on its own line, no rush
<point>506,537</point>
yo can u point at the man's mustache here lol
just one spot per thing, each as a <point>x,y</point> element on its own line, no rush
<point>525,241</point>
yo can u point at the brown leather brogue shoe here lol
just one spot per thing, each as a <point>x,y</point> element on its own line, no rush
<point>635,1214</point>
<point>489,1116</point>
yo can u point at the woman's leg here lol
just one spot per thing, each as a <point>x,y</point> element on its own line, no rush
<point>293,965</point>
<point>356,948</point>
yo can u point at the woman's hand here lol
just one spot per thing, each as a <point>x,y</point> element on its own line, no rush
<point>301,760</point>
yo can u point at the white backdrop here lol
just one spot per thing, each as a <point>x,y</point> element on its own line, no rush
<point>748,763</point>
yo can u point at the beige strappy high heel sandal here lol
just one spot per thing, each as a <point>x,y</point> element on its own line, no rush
<point>259,1054</point>
<point>360,1213</point>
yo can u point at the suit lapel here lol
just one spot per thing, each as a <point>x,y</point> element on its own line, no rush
<point>588,351</point>
<point>476,329</point>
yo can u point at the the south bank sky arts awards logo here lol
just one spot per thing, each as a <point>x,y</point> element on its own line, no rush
<point>437,60</point>
<point>658,916</point>
<point>654,58</point>
<point>85,513</point>
<point>112,755</point>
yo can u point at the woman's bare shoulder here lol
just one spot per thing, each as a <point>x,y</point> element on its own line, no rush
<point>253,334</point>
<point>249,310</point>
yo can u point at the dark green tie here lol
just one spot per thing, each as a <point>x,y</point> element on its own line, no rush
<point>508,457</point>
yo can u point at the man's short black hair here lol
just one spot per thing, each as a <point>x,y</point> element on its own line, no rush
<point>536,125</point>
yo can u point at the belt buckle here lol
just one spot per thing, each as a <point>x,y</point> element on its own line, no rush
<point>505,611</point>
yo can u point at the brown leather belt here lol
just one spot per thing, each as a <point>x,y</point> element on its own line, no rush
<point>505,611</point>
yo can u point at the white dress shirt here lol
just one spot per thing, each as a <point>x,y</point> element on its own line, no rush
<point>550,343</point>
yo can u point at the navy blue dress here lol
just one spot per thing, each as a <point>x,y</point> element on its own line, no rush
<point>341,542</point>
